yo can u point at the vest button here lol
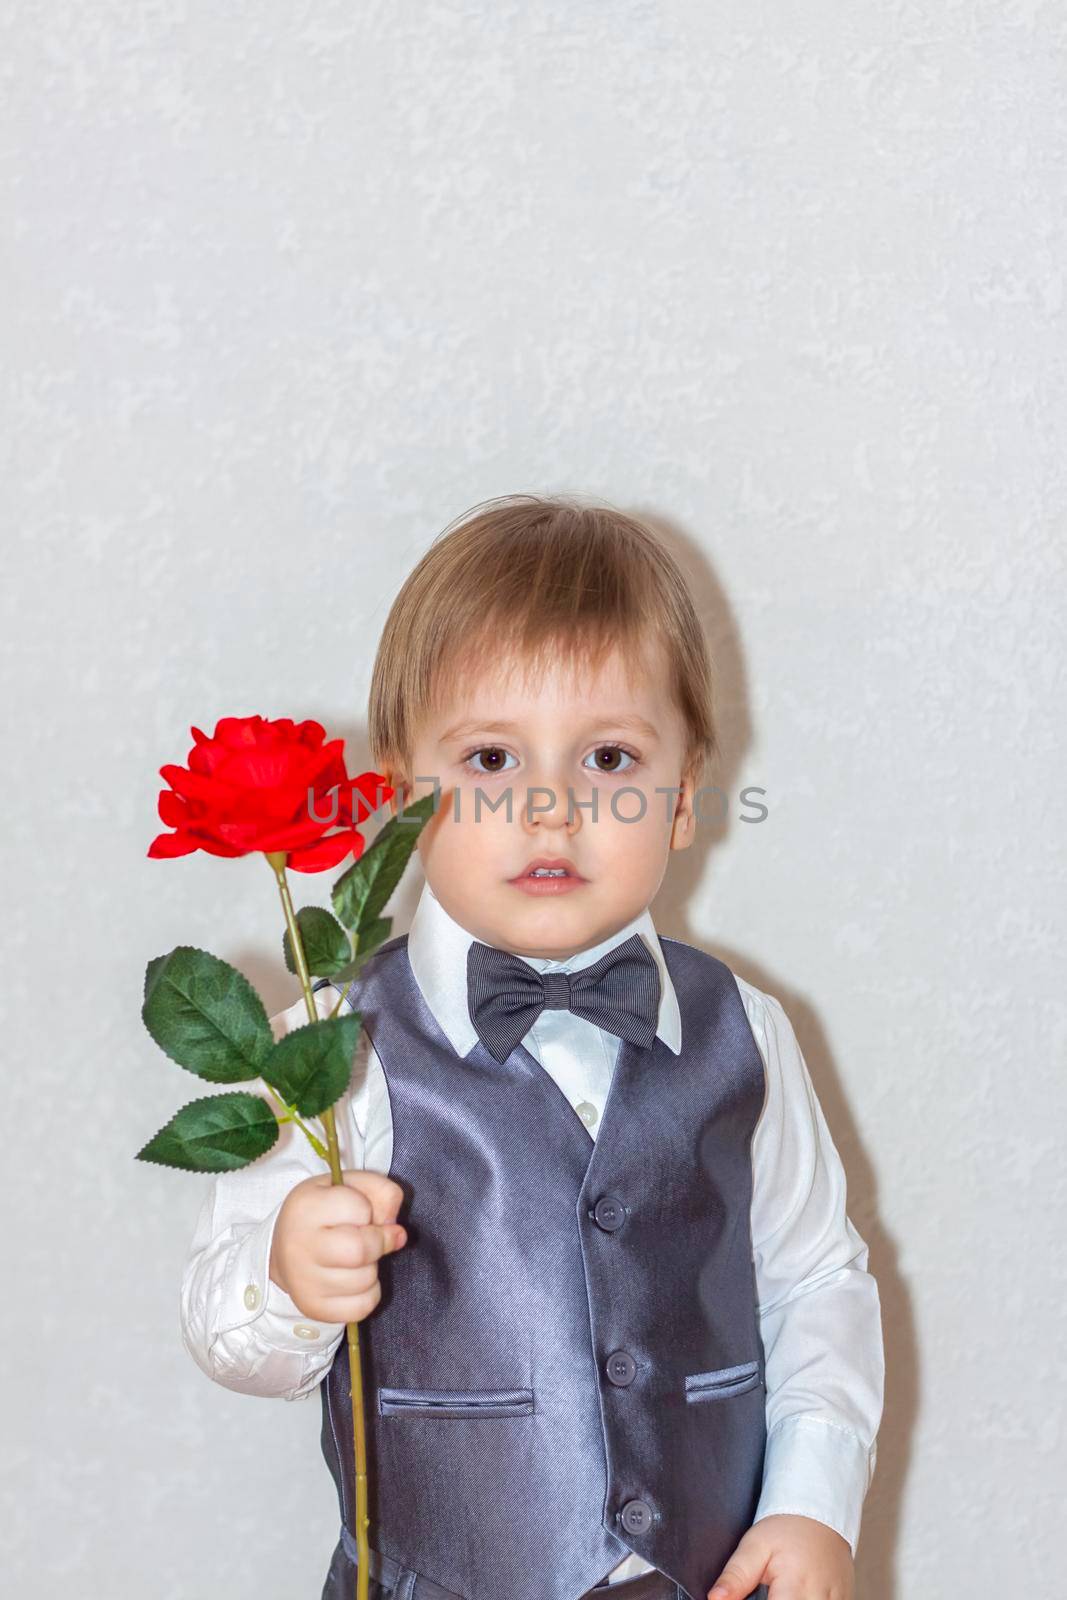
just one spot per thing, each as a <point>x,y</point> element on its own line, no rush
<point>636,1516</point>
<point>609,1213</point>
<point>621,1368</point>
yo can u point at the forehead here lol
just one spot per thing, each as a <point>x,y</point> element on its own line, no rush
<point>517,689</point>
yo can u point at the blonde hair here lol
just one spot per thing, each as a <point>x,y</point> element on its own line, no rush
<point>535,578</point>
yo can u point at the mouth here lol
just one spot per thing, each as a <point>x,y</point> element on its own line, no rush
<point>547,869</point>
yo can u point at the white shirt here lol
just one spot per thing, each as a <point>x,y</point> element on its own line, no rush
<point>819,1308</point>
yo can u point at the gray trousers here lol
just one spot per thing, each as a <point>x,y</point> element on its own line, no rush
<point>390,1581</point>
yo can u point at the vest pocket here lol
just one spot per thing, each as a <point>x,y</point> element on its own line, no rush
<point>456,1402</point>
<point>722,1382</point>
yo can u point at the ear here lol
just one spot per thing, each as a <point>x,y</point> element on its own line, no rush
<point>683,824</point>
<point>401,789</point>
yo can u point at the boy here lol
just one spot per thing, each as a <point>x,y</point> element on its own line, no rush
<point>623,1338</point>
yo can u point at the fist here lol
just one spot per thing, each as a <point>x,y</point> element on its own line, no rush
<point>328,1240</point>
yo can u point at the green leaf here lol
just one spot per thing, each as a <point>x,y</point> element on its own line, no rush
<point>326,944</point>
<point>369,940</point>
<point>360,895</point>
<point>206,1016</point>
<point>216,1134</point>
<point>310,1067</point>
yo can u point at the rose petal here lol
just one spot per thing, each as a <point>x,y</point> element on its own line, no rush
<point>327,853</point>
<point>165,846</point>
<point>172,809</point>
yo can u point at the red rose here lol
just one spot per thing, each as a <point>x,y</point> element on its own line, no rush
<point>266,785</point>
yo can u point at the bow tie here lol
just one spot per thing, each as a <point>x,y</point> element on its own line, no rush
<point>505,995</point>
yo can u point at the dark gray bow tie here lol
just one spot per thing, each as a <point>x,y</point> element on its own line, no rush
<point>505,995</point>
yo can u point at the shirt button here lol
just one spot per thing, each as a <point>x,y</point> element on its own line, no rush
<point>304,1330</point>
<point>251,1297</point>
<point>587,1112</point>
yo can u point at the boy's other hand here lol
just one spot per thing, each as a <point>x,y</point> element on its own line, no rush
<point>328,1240</point>
<point>798,1558</point>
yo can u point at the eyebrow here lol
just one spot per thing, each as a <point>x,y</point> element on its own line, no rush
<point>626,719</point>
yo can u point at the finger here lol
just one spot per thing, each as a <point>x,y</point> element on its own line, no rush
<point>339,1204</point>
<point>362,1197</point>
<point>384,1193</point>
<point>735,1582</point>
<point>344,1245</point>
<point>341,1283</point>
<point>352,1308</point>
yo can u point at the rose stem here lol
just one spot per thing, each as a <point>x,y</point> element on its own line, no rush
<point>277,859</point>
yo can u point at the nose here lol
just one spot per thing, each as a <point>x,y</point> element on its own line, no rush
<point>545,803</point>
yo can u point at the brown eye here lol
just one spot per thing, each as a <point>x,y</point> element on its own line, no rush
<point>609,757</point>
<point>494,758</point>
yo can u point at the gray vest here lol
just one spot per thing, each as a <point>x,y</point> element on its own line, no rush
<point>566,1362</point>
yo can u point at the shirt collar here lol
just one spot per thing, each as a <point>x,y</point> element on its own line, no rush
<point>437,950</point>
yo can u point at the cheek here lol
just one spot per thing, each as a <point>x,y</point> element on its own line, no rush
<point>636,840</point>
<point>474,833</point>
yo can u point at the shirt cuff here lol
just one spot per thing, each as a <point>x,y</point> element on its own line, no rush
<point>815,1468</point>
<point>251,1295</point>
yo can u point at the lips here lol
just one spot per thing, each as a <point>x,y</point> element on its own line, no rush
<point>550,863</point>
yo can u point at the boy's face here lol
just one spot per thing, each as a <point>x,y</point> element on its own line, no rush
<point>554,755</point>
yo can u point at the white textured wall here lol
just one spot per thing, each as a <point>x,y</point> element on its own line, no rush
<point>288,287</point>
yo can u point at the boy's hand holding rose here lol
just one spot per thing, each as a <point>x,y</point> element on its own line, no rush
<point>328,1240</point>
